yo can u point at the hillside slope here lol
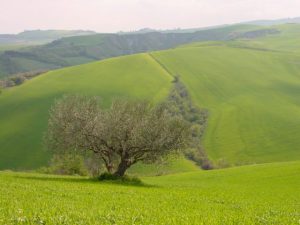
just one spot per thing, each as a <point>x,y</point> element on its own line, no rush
<point>287,40</point>
<point>83,49</point>
<point>294,20</point>
<point>24,109</point>
<point>34,37</point>
<point>253,98</point>
<point>251,92</point>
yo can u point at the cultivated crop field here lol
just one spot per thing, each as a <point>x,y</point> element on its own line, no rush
<point>252,96</point>
<point>258,194</point>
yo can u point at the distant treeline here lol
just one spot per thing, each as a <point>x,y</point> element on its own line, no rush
<point>19,79</point>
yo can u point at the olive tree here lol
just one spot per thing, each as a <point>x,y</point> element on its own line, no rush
<point>122,135</point>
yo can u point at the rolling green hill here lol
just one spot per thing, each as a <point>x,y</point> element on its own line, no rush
<point>5,47</point>
<point>287,40</point>
<point>257,194</point>
<point>24,109</point>
<point>252,95</point>
<point>294,20</point>
<point>250,89</point>
<point>37,37</point>
<point>83,49</point>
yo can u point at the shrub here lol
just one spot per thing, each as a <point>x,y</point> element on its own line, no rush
<point>112,177</point>
<point>222,163</point>
<point>200,158</point>
<point>67,164</point>
<point>18,80</point>
<point>94,165</point>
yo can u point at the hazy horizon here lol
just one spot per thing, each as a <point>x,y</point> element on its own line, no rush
<point>120,15</point>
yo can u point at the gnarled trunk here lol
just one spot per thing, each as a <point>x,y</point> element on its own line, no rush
<point>109,167</point>
<point>123,166</point>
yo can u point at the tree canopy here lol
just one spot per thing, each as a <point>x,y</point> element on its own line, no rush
<point>122,135</point>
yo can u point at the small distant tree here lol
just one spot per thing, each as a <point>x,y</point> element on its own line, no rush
<point>18,80</point>
<point>9,83</point>
<point>2,83</point>
<point>124,134</point>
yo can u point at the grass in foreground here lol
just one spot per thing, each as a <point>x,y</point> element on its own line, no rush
<point>259,194</point>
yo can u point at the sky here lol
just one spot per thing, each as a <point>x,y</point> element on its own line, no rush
<point>129,15</point>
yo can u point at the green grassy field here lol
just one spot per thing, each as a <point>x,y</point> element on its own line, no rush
<point>287,40</point>
<point>173,165</point>
<point>250,87</point>
<point>24,109</point>
<point>258,194</point>
<point>252,95</point>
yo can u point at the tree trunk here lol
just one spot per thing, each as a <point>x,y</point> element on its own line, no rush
<point>109,166</point>
<point>123,166</point>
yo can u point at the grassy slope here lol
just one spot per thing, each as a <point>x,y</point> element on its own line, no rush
<point>248,92</point>
<point>253,98</point>
<point>259,194</point>
<point>287,40</point>
<point>171,166</point>
<point>82,49</point>
<point>24,109</point>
